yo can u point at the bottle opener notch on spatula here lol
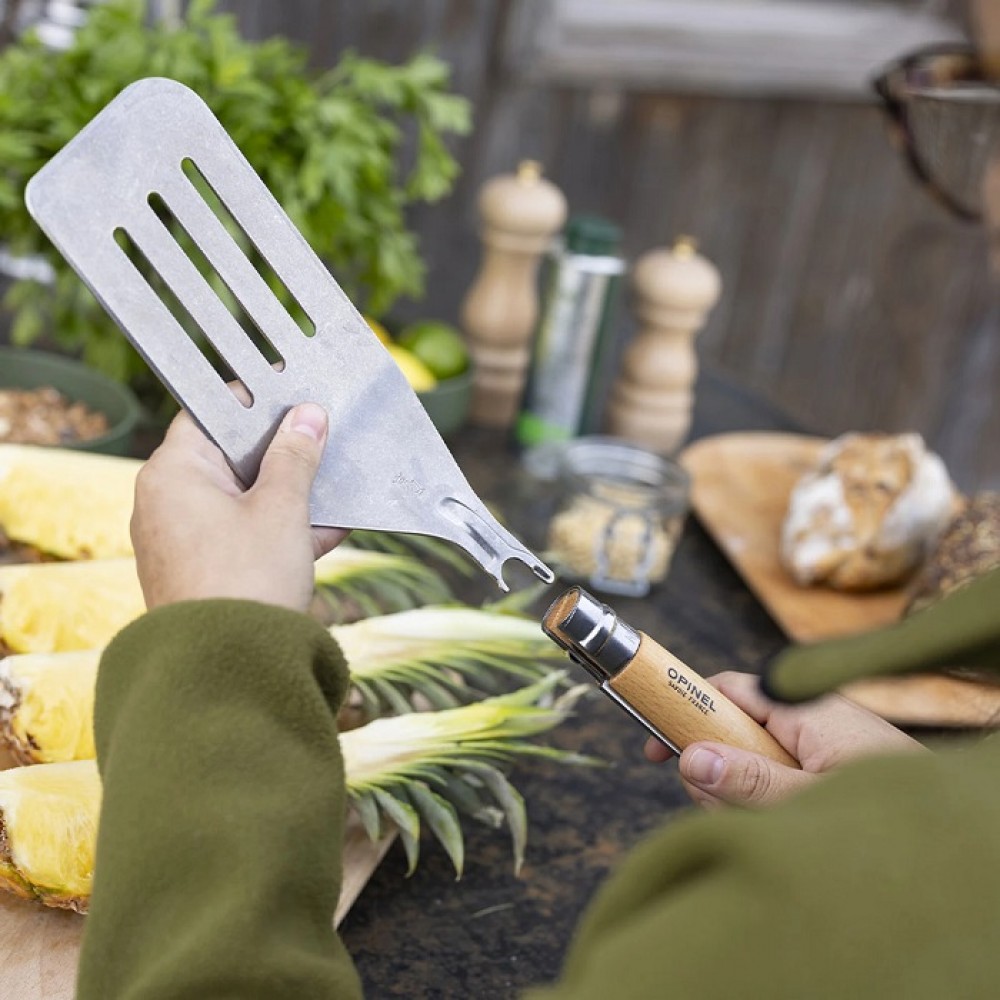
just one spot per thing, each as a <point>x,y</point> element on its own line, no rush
<point>385,467</point>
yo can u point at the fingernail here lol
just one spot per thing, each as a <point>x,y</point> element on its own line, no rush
<point>704,767</point>
<point>308,419</point>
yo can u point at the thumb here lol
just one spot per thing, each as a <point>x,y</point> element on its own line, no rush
<point>721,773</point>
<point>293,456</point>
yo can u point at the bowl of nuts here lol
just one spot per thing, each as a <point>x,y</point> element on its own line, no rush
<point>51,400</point>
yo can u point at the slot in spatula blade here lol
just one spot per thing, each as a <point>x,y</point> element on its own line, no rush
<point>138,173</point>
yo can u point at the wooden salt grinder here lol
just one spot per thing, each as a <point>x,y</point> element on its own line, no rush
<point>652,398</point>
<point>985,23</point>
<point>520,215</point>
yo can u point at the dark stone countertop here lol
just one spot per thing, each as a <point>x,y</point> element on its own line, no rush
<point>492,934</point>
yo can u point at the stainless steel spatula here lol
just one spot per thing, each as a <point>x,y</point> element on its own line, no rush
<point>385,467</point>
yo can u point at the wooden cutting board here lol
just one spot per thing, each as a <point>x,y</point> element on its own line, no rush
<point>40,946</point>
<point>740,489</point>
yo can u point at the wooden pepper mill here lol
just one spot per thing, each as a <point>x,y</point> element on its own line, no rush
<point>520,215</point>
<point>985,17</point>
<point>652,398</point>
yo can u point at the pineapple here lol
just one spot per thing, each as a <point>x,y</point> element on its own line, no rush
<point>74,505</point>
<point>68,504</point>
<point>437,657</point>
<point>52,607</point>
<point>429,765</point>
<point>436,764</point>
<point>48,832</point>
<point>47,705</point>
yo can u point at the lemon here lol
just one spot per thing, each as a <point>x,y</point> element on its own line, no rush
<point>420,377</point>
<point>379,330</point>
<point>438,345</point>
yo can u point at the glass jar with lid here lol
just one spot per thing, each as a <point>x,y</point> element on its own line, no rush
<point>620,515</point>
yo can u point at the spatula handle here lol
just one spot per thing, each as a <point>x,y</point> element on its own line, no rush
<point>685,707</point>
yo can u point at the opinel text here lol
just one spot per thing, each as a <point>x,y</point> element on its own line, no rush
<point>701,700</point>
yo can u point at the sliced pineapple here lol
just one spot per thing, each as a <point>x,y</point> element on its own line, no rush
<point>66,503</point>
<point>74,505</point>
<point>429,657</point>
<point>47,705</point>
<point>53,607</point>
<point>428,766</point>
<point>48,831</point>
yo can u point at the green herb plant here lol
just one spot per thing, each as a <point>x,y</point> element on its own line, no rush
<point>330,147</point>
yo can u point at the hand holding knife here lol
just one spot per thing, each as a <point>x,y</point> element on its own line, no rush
<point>659,691</point>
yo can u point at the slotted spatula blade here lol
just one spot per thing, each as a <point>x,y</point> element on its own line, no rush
<point>386,467</point>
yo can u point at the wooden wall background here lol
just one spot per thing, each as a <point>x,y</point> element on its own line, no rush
<point>849,297</point>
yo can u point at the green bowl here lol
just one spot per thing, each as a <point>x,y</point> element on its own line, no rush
<point>22,369</point>
<point>447,404</point>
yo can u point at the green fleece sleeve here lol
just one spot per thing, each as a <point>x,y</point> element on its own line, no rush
<point>960,630</point>
<point>879,881</point>
<point>218,857</point>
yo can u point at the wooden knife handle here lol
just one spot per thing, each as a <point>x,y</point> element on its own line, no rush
<point>686,708</point>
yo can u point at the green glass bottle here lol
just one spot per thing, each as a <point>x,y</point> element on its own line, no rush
<point>581,281</point>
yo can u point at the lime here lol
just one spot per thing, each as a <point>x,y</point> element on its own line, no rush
<point>379,330</point>
<point>438,345</point>
<point>420,377</point>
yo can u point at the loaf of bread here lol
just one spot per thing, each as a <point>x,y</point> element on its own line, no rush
<point>868,514</point>
<point>969,547</point>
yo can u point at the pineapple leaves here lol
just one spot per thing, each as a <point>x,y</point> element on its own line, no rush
<point>512,803</point>
<point>390,695</point>
<point>431,767</point>
<point>420,546</point>
<point>371,819</point>
<point>441,657</point>
<point>442,819</point>
<point>407,822</point>
<point>375,582</point>
<point>437,695</point>
<point>463,791</point>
